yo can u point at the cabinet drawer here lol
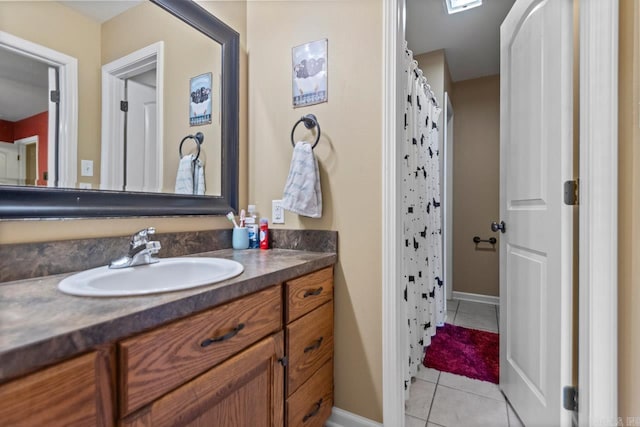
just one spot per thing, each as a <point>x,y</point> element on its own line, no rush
<point>309,345</point>
<point>311,405</point>
<point>308,292</point>
<point>72,393</point>
<point>155,362</point>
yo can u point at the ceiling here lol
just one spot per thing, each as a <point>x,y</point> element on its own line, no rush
<point>100,10</point>
<point>471,39</point>
<point>24,86</point>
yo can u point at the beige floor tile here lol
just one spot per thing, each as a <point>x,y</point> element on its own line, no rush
<point>482,388</point>
<point>410,421</point>
<point>514,421</point>
<point>421,395</point>
<point>452,304</point>
<point>434,425</point>
<point>484,322</point>
<point>428,374</point>
<point>476,308</point>
<point>458,408</point>
<point>451,315</point>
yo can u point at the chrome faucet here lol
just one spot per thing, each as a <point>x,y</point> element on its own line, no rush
<point>141,250</point>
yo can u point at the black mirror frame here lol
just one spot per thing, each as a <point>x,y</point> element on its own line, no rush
<point>33,202</point>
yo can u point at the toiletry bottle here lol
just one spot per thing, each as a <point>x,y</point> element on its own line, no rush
<point>264,233</point>
<point>253,228</point>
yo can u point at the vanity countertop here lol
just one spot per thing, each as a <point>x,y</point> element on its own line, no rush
<point>40,325</point>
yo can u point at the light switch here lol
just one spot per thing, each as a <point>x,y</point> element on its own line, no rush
<point>86,167</point>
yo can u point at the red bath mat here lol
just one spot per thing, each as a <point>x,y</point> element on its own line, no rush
<point>469,352</point>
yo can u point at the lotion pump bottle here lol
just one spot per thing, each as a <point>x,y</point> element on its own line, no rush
<point>252,227</point>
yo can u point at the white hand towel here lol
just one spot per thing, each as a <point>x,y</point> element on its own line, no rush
<point>302,192</point>
<point>199,176</point>
<point>187,170</point>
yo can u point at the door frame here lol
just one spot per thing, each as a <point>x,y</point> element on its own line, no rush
<point>138,62</point>
<point>447,195</point>
<point>23,142</point>
<point>67,144</point>
<point>598,258</point>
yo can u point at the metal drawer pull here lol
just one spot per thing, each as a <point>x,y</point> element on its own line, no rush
<point>315,345</point>
<point>224,337</point>
<point>313,293</point>
<point>312,413</point>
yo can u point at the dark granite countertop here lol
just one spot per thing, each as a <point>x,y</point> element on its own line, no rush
<point>40,325</point>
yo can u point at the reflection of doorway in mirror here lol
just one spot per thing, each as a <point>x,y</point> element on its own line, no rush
<point>32,156</point>
<point>132,109</point>
<point>9,166</point>
<point>54,117</point>
<point>142,142</point>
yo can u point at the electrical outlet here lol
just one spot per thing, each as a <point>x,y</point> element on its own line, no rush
<point>86,167</point>
<point>277,213</point>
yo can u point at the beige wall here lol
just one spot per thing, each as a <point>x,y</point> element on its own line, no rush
<point>60,28</point>
<point>435,68</point>
<point>476,181</point>
<point>187,53</point>
<point>233,14</point>
<point>629,214</point>
<point>349,154</point>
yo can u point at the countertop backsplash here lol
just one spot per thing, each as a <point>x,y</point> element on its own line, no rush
<point>30,260</point>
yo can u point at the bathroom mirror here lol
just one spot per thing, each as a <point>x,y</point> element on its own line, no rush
<point>219,148</point>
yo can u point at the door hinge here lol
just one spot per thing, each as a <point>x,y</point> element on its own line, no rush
<point>571,192</point>
<point>124,106</point>
<point>55,96</point>
<point>570,398</point>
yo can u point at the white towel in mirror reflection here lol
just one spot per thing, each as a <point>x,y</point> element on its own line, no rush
<point>190,176</point>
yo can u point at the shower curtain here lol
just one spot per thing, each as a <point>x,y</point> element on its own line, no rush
<point>423,283</point>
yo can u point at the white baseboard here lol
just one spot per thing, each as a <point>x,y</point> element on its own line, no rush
<point>485,299</point>
<point>342,418</point>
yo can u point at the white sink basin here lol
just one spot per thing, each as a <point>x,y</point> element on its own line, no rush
<point>170,274</point>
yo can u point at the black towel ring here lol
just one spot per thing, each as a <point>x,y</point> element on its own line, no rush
<point>310,122</point>
<point>198,138</point>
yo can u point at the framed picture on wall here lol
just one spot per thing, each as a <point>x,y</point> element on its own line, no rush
<point>200,100</point>
<point>310,73</point>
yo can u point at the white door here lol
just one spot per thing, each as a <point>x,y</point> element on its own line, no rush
<point>536,249</point>
<point>142,149</point>
<point>10,164</point>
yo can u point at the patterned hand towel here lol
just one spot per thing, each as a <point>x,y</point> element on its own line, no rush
<point>187,169</point>
<point>302,192</point>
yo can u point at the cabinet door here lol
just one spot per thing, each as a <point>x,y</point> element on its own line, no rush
<point>77,392</point>
<point>244,391</point>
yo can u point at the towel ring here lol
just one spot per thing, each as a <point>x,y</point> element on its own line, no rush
<point>310,121</point>
<point>198,138</point>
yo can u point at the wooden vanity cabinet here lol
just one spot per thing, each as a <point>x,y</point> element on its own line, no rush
<point>263,360</point>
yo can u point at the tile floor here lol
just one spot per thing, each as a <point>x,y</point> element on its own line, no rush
<point>448,400</point>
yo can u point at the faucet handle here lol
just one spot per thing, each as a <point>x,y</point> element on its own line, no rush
<point>142,236</point>
<point>153,247</point>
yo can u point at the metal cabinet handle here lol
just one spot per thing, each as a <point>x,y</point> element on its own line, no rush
<point>313,293</point>
<point>224,337</point>
<point>314,346</point>
<point>495,227</point>
<point>315,410</point>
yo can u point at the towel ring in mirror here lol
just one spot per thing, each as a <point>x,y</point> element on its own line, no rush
<point>198,138</point>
